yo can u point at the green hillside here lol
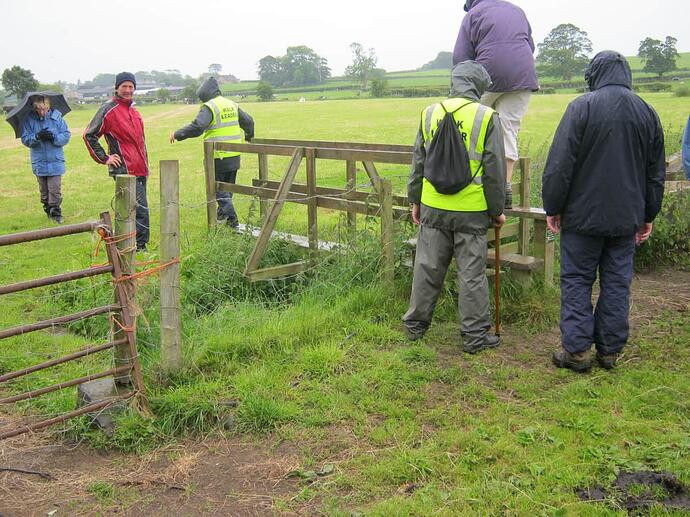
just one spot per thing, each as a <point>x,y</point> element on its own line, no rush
<point>340,87</point>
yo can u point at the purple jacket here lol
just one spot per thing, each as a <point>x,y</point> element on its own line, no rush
<point>497,34</point>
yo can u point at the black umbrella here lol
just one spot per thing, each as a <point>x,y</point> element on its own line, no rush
<point>19,113</point>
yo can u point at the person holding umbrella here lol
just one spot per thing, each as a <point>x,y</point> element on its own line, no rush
<point>45,133</point>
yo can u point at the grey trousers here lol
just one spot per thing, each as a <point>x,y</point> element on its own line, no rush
<point>435,250</point>
<point>51,195</point>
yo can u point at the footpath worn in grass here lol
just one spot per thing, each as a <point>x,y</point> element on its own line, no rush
<point>319,362</point>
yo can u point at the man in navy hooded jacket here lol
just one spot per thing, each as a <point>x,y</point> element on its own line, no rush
<point>602,188</point>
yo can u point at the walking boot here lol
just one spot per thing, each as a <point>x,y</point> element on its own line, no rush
<point>578,362</point>
<point>490,341</point>
<point>607,361</point>
<point>55,214</point>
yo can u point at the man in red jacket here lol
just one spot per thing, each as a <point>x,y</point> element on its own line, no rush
<point>123,128</point>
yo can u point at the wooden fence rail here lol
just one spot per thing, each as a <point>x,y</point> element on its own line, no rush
<point>527,246</point>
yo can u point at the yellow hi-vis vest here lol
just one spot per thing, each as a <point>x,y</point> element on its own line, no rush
<point>473,120</point>
<point>225,126</point>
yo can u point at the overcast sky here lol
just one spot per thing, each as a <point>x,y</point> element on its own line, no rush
<point>76,39</point>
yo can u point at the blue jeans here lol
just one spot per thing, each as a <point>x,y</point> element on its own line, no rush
<point>582,256</point>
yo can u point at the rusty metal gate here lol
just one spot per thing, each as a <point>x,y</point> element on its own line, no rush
<point>128,374</point>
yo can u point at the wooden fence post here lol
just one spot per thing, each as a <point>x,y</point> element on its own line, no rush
<point>171,320</point>
<point>525,181</point>
<point>350,185</point>
<point>312,221</point>
<point>210,172</point>
<point>387,231</point>
<point>263,177</point>
<point>124,235</point>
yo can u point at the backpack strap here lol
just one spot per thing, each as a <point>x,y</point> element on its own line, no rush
<point>456,109</point>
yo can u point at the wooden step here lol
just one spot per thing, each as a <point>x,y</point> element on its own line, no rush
<point>298,240</point>
<point>516,261</point>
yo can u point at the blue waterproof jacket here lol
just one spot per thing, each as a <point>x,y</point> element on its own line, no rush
<point>47,158</point>
<point>686,150</point>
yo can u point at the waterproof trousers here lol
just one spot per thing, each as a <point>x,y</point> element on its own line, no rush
<point>435,249</point>
<point>227,174</point>
<point>582,257</point>
<point>51,195</point>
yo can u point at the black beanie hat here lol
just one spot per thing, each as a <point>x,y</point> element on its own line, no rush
<point>125,76</point>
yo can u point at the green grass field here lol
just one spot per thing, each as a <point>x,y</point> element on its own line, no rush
<point>320,362</point>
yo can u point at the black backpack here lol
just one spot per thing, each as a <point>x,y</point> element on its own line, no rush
<point>447,163</point>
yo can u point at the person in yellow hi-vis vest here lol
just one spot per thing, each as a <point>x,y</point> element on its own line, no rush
<point>456,225</point>
<point>220,120</point>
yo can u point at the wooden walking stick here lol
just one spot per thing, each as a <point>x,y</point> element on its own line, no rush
<point>497,266</point>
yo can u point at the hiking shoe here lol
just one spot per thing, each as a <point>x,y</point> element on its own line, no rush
<point>607,361</point>
<point>142,248</point>
<point>413,336</point>
<point>57,218</point>
<point>576,362</point>
<point>489,342</point>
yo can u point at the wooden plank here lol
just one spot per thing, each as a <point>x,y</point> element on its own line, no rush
<point>516,261</point>
<point>332,192</point>
<point>171,310</point>
<point>332,203</point>
<point>385,188</point>
<point>523,235</point>
<point>277,271</point>
<point>363,155</point>
<point>510,247</point>
<point>297,240</point>
<point>263,179</point>
<point>351,193</point>
<point>526,212</point>
<point>210,175</point>
<point>261,192</point>
<point>334,144</point>
<point>507,231</point>
<point>272,150</point>
<point>312,215</point>
<point>272,217</point>
<point>371,171</point>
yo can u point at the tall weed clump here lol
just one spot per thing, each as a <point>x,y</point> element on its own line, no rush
<point>213,273</point>
<point>682,90</point>
<point>670,240</point>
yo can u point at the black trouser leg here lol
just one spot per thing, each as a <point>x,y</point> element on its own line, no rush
<point>143,226</point>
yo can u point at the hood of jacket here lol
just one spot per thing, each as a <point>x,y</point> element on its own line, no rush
<point>469,4</point>
<point>607,68</point>
<point>208,90</point>
<point>469,79</point>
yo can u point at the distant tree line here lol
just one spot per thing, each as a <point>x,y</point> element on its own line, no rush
<point>567,49</point>
<point>298,67</point>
